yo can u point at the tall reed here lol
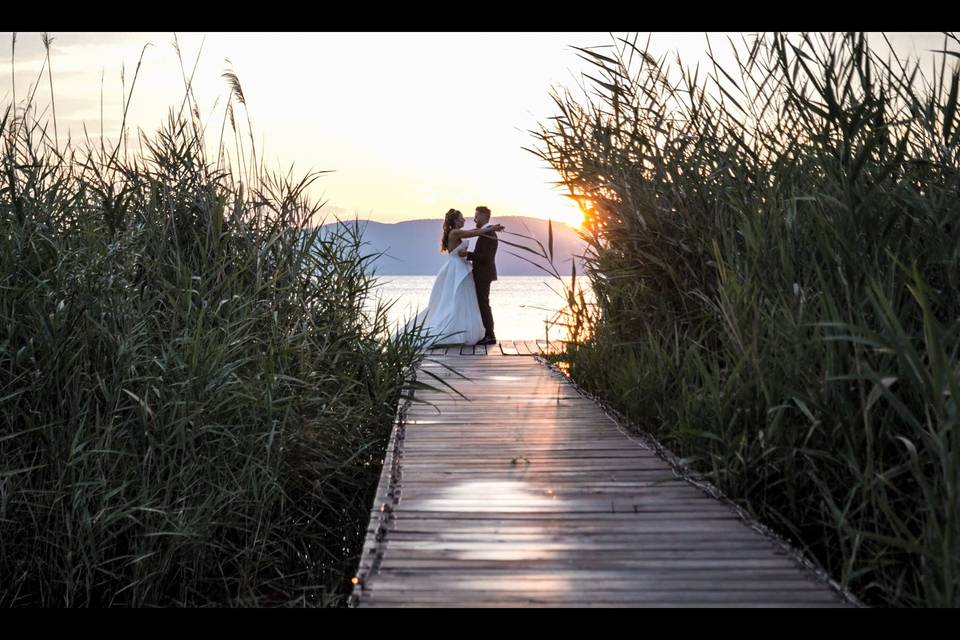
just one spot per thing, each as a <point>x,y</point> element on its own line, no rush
<point>774,252</point>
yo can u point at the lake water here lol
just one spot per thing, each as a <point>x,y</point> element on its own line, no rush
<point>520,304</point>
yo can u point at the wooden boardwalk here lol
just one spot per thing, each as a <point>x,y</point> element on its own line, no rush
<point>528,494</point>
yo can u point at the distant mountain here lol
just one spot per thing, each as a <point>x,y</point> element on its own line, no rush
<point>412,247</point>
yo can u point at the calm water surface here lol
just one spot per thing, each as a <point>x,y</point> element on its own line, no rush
<point>521,305</point>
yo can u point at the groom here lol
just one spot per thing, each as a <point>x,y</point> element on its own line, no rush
<point>484,271</point>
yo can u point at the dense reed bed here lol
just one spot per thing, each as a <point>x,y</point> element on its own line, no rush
<point>774,252</point>
<point>194,404</point>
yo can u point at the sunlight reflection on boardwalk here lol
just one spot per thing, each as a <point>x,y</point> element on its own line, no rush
<point>526,494</point>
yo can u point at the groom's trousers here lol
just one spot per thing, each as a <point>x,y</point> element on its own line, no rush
<point>483,299</point>
<point>484,262</point>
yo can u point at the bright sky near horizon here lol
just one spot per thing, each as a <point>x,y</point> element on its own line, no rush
<point>411,124</point>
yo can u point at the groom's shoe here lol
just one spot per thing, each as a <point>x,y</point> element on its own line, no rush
<point>487,341</point>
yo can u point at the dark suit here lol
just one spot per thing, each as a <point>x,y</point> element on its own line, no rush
<point>484,272</point>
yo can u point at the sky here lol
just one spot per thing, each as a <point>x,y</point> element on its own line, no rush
<point>410,124</point>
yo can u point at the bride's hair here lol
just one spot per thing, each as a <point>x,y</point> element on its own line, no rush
<point>447,226</point>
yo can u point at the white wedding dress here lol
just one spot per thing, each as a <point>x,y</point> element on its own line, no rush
<point>452,315</point>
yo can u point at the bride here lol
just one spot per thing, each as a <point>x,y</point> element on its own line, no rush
<point>452,315</point>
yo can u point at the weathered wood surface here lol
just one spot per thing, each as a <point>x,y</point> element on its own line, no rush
<point>527,494</point>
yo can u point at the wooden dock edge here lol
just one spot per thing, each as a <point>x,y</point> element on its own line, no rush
<point>384,502</point>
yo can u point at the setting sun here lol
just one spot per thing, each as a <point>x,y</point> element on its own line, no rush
<point>564,210</point>
<point>572,214</point>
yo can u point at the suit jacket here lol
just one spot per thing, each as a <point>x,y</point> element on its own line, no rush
<point>483,257</point>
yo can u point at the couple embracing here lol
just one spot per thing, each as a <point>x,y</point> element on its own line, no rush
<point>459,308</point>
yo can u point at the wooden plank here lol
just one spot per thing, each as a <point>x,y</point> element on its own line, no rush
<point>594,573</point>
<point>567,508</point>
<point>484,403</point>
<point>575,598</point>
<point>566,519</point>
<point>446,566</point>
<point>428,442</point>
<point>507,471</point>
<point>591,604</point>
<point>535,442</point>
<point>497,527</point>
<point>600,466</point>
<point>536,450</point>
<point>508,348</point>
<point>478,400</point>
<point>531,453</point>
<point>561,582</point>
<point>430,448</point>
<point>638,565</point>
<point>505,417</point>
<point>580,548</point>
<point>665,542</point>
